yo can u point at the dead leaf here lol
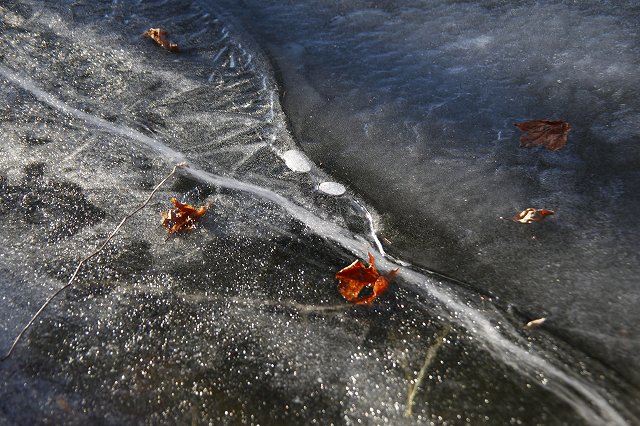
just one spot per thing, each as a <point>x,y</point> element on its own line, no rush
<point>356,277</point>
<point>534,323</point>
<point>159,35</point>
<point>182,217</point>
<point>64,405</point>
<point>532,215</point>
<point>550,134</point>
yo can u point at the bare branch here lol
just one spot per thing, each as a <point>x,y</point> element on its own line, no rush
<point>91,255</point>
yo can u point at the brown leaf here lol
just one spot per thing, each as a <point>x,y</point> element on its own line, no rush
<point>182,217</point>
<point>550,134</point>
<point>356,277</point>
<point>532,215</point>
<point>160,35</point>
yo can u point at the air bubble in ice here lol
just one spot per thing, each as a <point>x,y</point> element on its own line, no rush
<point>332,188</point>
<point>297,161</point>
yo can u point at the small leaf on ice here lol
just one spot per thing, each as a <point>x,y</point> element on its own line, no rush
<point>534,323</point>
<point>182,217</point>
<point>357,277</point>
<point>160,35</point>
<point>550,134</point>
<point>532,215</point>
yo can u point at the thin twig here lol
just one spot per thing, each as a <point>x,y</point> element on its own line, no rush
<point>83,261</point>
<point>428,359</point>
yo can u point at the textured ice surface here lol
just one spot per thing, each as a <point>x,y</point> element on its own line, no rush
<point>413,103</point>
<point>239,321</point>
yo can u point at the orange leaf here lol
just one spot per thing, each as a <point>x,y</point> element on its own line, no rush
<point>160,35</point>
<point>353,279</point>
<point>550,134</point>
<point>532,215</point>
<point>182,217</point>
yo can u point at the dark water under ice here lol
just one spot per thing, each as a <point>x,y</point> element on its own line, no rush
<point>319,131</point>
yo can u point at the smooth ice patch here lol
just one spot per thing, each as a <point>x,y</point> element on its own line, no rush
<point>332,188</point>
<point>296,160</point>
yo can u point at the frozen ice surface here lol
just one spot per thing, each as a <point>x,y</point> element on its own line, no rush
<point>414,103</point>
<point>240,320</point>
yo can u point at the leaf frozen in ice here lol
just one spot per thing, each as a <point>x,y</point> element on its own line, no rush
<point>532,215</point>
<point>356,277</point>
<point>159,35</point>
<point>534,323</point>
<point>182,217</point>
<point>550,134</point>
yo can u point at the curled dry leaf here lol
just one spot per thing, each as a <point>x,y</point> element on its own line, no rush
<point>160,35</point>
<point>534,323</point>
<point>356,277</point>
<point>532,215</point>
<point>182,217</point>
<point>550,134</point>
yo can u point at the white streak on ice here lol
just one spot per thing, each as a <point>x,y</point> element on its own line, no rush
<point>588,403</point>
<point>220,53</point>
<point>574,391</point>
<point>29,85</point>
<point>372,229</point>
<point>225,34</point>
<point>199,33</point>
<point>272,113</point>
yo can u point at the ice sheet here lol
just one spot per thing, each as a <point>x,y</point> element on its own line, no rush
<point>239,321</point>
<point>413,104</point>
